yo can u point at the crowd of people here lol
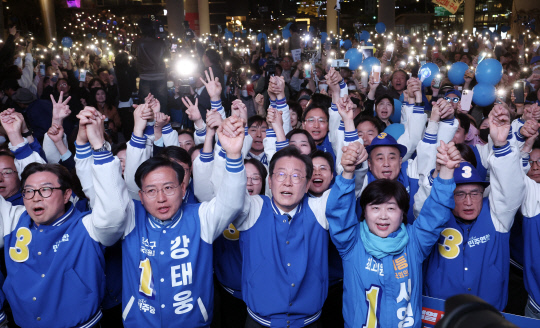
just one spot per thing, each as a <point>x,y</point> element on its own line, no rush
<point>249,181</point>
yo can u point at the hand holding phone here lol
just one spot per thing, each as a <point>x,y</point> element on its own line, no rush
<point>466,100</point>
<point>376,73</point>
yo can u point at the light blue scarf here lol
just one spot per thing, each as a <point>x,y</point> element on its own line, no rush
<point>380,247</point>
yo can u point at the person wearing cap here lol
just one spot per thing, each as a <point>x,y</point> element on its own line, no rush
<point>530,212</point>
<point>382,254</point>
<point>303,101</point>
<point>453,97</point>
<point>388,158</point>
<point>473,253</point>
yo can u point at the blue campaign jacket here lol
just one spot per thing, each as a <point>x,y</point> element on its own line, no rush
<point>326,146</point>
<point>470,258</point>
<point>385,292</point>
<point>531,269</point>
<point>228,261</point>
<point>285,267</point>
<point>167,272</point>
<point>60,269</point>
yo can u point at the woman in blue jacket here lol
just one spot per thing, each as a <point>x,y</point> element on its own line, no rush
<point>382,255</point>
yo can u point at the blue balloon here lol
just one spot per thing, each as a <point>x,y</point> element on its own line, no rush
<point>395,129</point>
<point>489,71</point>
<point>226,30</point>
<point>262,36</point>
<point>267,48</point>
<point>237,35</point>
<point>288,25</point>
<point>244,32</point>
<point>114,23</point>
<point>456,73</point>
<point>286,33</point>
<point>430,41</point>
<point>228,35</point>
<point>364,36</point>
<point>324,36</point>
<point>434,71</point>
<point>396,117</point>
<point>369,63</point>
<point>380,27</point>
<point>484,94</point>
<point>347,44</point>
<point>505,28</point>
<point>108,21</point>
<point>67,42</point>
<point>355,58</point>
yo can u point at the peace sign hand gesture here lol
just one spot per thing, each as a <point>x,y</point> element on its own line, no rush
<point>60,109</point>
<point>212,85</point>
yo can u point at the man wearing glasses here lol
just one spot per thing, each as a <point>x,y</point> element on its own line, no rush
<point>284,243</point>
<point>167,243</point>
<point>473,252</point>
<point>54,253</point>
<point>10,184</point>
<point>530,213</point>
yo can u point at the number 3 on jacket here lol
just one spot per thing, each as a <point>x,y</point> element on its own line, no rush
<point>374,301</point>
<point>20,252</point>
<point>146,286</point>
<point>450,247</point>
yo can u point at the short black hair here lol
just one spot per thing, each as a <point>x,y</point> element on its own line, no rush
<point>327,156</point>
<point>318,100</point>
<point>295,107</point>
<point>382,190</point>
<point>467,154</point>
<point>175,153</point>
<point>464,121</point>
<point>101,70</point>
<point>312,107</point>
<point>195,148</point>
<point>536,144</point>
<point>154,163</point>
<point>64,177</point>
<point>310,140</point>
<point>255,119</point>
<point>359,119</point>
<point>118,148</point>
<point>402,71</point>
<point>189,132</point>
<point>262,172</point>
<point>7,153</point>
<point>385,96</point>
<point>292,151</point>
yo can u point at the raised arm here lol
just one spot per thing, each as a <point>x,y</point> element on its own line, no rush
<point>204,164</point>
<point>214,89</point>
<point>109,218</point>
<point>341,204</point>
<point>137,152</point>
<point>12,123</point>
<point>218,213</point>
<point>438,206</point>
<point>506,176</point>
<point>415,122</point>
